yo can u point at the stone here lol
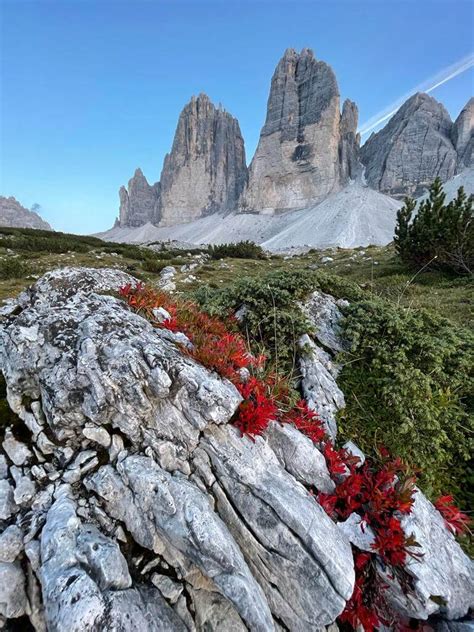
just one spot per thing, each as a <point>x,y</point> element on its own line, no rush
<point>358,532</point>
<point>13,600</point>
<point>152,503</point>
<point>299,456</point>
<point>7,503</point>
<point>11,543</point>
<point>139,204</point>
<point>443,570</point>
<point>306,149</point>
<point>271,516</point>
<point>97,435</point>
<point>206,171</point>
<point>180,523</point>
<point>412,150</point>
<point>463,136</point>
<point>17,451</point>
<point>12,213</point>
<point>355,451</point>
<point>318,383</point>
<point>325,315</point>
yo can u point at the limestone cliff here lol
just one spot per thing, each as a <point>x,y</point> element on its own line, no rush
<point>298,159</point>
<point>139,204</point>
<point>412,150</point>
<point>205,171</point>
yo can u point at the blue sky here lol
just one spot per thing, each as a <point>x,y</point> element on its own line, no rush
<point>92,89</point>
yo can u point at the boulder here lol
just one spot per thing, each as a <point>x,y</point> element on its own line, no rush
<point>152,512</point>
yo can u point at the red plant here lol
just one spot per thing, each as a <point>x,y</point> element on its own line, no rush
<point>457,521</point>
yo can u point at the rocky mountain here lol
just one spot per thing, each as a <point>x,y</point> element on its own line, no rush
<point>140,203</point>
<point>206,169</point>
<point>130,501</point>
<point>204,173</point>
<point>418,144</point>
<point>463,136</point>
<point>306,149</point>
<point>12,213</point>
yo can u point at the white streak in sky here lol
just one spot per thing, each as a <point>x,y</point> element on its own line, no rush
<point>426,86</point>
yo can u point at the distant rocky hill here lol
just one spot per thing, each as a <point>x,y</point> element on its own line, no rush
<point>12,213</point>
<point>308,151</point>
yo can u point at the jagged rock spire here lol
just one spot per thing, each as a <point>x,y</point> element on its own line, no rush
<point>463,136</point>
<point>205,171</point>
<point>297,161</point>
<point>139,204</point>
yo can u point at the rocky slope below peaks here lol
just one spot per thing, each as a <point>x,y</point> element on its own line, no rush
<point>13,214</point>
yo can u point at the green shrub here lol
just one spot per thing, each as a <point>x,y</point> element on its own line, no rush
<point>154,265</point>
<point>240,250</point>
<point>440,235</point>
<point>407,377</point>
<point>13,268</point>
<point>271,315</point>
<point>408,384</point>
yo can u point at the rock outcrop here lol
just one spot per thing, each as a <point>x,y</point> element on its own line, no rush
<point>139,204</point>
<point>412,150</point>
<point>129,502</point>
<point>12,213</point>
<point>206,169</point>
<point>149,511</point>
<point>306,149</point>
<point>463,136</point>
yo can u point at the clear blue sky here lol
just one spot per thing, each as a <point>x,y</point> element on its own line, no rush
<point>92,89</point>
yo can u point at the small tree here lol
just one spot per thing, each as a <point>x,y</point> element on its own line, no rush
<point>440,234</point>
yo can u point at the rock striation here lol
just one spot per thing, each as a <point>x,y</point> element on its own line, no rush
<point>306,149</point>
<point>414,148</point>
<point>140,203</point>
<point>12,213</point>
<point>463,136</point>
<point>205,172</point>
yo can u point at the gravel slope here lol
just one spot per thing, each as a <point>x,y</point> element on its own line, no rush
<point>356,216</point>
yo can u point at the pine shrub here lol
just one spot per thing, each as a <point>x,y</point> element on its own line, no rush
<point>440,235</point>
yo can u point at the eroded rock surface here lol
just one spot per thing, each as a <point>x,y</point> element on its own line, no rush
<point>463,136</point>
<point>130,503</point>
<point>149,511</point>
<point>140,203</point>
<point>12,213</point>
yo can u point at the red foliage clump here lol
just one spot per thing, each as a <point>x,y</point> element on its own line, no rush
<point>457,521</point>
